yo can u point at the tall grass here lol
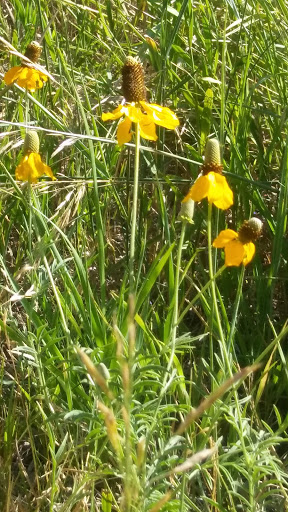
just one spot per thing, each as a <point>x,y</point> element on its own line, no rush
<point>174,398</point>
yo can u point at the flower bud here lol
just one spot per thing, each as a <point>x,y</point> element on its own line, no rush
<point>255,224</point>
<point>212,152</point>
<point>33,51</point>
<point>31,142</point>
<point>187,211</point>
<point>133,81</point>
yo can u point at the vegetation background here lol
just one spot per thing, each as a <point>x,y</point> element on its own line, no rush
<point>98,430</point>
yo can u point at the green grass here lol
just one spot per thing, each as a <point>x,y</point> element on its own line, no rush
<point>96,384</point>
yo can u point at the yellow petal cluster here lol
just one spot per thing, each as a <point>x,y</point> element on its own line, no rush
<point>214,186</point>
<point>26,77</point>
<point>31,168</point>
<point>146,114</point>
<point>236,252</point>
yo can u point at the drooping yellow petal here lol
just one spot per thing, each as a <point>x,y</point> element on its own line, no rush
<point>41,167</point>
<point>28,80</point>
<point>249,250</point>
<point>31,168</point>
<point>34,167</point>
<point>224,238</point>
<point>219,193</point>
<point>234,253</point>
<point>162,116</point>
<point>12,75</point>
<point>111,116</point>
<point>124,131</point>
<point>26,77</point>
<point>22,170</point>
<point>34,80</point>
<point>199,190</point>
<point>26,171</point>
<point>147,128</point>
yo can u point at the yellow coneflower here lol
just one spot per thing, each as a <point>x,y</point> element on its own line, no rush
<point>25,75</point>
<point>211,183</point>
<point>31,166</point>
<point>239,247</point>
<point>136,109</point>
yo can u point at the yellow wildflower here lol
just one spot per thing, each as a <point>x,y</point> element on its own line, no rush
<point>26,75</point>
<point>239,247</point>
<point>31,166</point>
<point>136,109</point>
<point>212,184</point>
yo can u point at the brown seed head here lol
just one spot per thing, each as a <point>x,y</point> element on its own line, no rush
<point>31,142</point>
<point>250,230</point>
<point>33,51</point>
<point>212,161</point>
<point>133,81</point>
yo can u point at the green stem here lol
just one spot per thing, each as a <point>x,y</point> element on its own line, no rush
<point>132,284</point>
<point>30,223</point>
<point>176,288</point>
<point>100,229</point>
<point>236,307</point>
<point>223,85</point>
<point>130,489</point>
<point>26,108</point>
<point>182,492</point>
<point>213,290</point>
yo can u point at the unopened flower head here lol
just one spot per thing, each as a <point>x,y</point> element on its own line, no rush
<point>239,247</point>
<point>26,75</point>
<point>136,109</point>
<point>211,183</point>
<point>212,159</point>
<point>31,166</point>
<point>133,86</point>
<point>31,142</point>
<point>187,211</point>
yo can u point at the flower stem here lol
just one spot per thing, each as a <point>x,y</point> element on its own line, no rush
<point>26,108</point>
<point>176,285</point>
<point>132,284</point>
<point>236,307</point>
<point>213,290</point>
<point>29,223</point>
<point>223,84</point>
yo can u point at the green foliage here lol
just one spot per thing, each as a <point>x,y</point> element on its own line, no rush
<point>100,433</point>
